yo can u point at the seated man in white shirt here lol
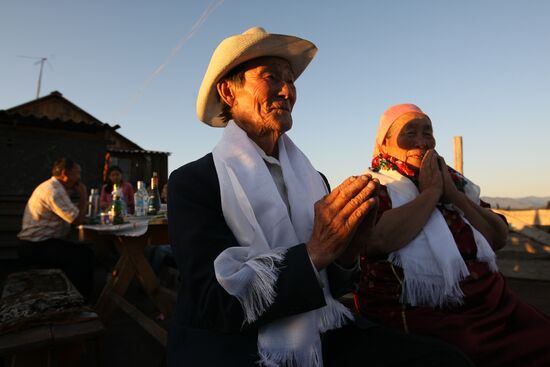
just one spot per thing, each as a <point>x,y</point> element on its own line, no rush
<point>48,217</point>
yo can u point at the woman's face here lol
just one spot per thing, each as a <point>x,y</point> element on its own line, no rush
<point>115,177</point>
<point>410,136</point>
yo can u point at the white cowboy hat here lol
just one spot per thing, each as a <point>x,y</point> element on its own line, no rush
<point>234,50</point>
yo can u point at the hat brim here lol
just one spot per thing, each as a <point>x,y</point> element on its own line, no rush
<point>240,48</point>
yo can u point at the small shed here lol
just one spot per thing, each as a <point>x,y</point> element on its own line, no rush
<point>36,133</point>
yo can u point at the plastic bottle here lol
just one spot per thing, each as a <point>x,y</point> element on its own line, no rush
<point>141,200</point>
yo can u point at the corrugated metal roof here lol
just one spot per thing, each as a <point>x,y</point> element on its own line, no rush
<point>136,151</point>
<point>14,118</point>
<point>56,95</point>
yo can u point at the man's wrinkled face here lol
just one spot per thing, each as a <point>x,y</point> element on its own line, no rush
<point>263,104</point>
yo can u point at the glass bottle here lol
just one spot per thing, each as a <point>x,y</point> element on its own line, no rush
<point>93,203</point>
<point>154,196</point>
<point>116,212</point>
<point>117,189</point>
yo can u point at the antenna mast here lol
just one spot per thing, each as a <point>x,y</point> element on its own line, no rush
<point>42,61</point>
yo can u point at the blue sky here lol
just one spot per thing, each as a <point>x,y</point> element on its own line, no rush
<point>480,69</point>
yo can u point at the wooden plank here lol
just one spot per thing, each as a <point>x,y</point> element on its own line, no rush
<point>151,326</point>
<point>118,283</point>
<point>519,224</point>
<point>134,247</point>
<point>36,337</point>
<point>458,153</point>
<point>540,217</point>
<point>81,330</point>
<point>132,263</point>
<point>525,269</point>
<point>536,234</point>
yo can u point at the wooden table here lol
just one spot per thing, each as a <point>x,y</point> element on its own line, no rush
<point>133,264</point>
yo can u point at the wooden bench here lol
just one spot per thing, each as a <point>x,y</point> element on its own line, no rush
<point>44,321</point>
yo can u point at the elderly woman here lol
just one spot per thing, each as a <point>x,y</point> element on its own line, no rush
<point>437,239</point>
<point>262,247</point>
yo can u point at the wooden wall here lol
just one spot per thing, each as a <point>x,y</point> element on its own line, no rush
<point>140,166</point>
<point>26,156</point>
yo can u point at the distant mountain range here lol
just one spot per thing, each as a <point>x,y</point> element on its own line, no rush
<point>529,202</point>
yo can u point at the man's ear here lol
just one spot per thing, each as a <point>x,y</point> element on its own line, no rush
<point>225,91</point>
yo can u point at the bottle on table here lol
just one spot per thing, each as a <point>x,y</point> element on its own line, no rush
<point>141,200</point>
<point>154,196</point>
<point>118,190</point>
<point>93,203</point>
<point>116,211</point>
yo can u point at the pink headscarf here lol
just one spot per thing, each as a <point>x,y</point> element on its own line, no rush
<point>387,120</point>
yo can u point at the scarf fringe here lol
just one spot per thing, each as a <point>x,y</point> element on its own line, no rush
<point>261,292</point>
<point>492,264</point>
<point>333,316</point>
<point>419,292</point>
<point>485,252</point>
<point>305,357</point>
<point>430,290</point>
<point>487,257</point>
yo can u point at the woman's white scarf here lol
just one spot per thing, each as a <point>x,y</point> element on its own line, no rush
<point>431,262</point>
<point>260,220</point>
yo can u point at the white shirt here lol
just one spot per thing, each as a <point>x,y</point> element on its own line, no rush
<point>49,212</point>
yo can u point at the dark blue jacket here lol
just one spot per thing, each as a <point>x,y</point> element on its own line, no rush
<point>209,328</point>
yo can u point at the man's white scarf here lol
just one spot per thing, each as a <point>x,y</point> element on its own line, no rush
<point>260,220</point>
<point>431,262</point>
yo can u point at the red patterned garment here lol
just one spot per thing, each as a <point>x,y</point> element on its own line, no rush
<point>493,326</point>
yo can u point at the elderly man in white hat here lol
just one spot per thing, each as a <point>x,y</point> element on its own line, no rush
<point>263,248</point>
